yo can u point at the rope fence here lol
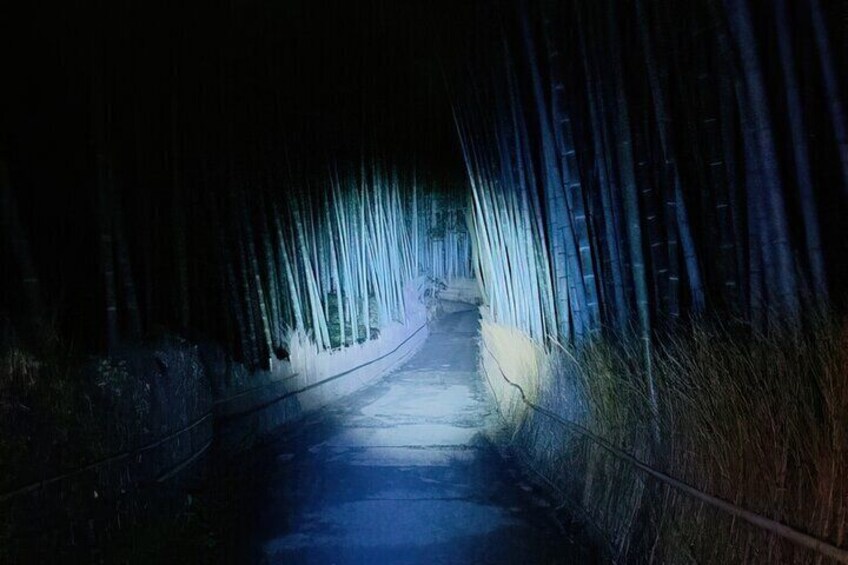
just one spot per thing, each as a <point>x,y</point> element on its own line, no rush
<point>787,532</point>
<point>288,394</point>
<point>36,485</point>
<point>105,461</point>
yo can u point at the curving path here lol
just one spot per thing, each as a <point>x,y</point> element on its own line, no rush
<point>401,473</point>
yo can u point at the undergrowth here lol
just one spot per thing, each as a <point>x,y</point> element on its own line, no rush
<point>60,412</point>
<point>758,419</point>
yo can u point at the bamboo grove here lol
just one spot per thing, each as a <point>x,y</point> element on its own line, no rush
<point>142,196</point>
<point>336,265</point>
<point>633,163</point>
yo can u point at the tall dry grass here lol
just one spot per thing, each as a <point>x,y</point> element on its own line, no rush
<point>758,419</point>
<point>525,362</point>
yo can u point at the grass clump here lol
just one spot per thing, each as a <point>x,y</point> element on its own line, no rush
<point>756,418</point>
<point>61,412</point>
<point>522,361</point>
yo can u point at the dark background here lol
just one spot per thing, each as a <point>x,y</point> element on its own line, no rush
<point>158,111</point>
<point>173,104</point>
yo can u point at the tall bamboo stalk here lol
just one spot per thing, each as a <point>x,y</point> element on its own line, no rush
<point>800,152</point>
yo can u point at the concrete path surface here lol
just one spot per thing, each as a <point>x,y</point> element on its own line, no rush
<point>401,473</point>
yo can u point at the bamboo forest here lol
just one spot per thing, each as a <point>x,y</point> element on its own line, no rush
<point>424,281</point>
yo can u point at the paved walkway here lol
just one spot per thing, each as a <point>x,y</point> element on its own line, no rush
<point>400,473</point>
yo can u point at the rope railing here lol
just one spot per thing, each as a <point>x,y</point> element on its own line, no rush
<point>288,394</point>
<point>105,461</point>
<point>36,485</point>
<point>787,532</point>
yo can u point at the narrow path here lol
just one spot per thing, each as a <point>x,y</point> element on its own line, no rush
<point>400,473</point>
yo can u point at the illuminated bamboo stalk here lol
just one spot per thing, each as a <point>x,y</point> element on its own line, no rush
<point>337,283</point>
<point>319,323</point>
<point>273,290</point>
<point>527,183</point>
<point>572,185</point>
<point>294,292</point>
<point>568,276</point>
<point>348,288</point>
<point>359,207</point>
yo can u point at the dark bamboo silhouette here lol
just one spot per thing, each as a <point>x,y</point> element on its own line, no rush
<point>800,152</point>
<point>16,239</point>
<point>838,119</point>
<point>778,252</point>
